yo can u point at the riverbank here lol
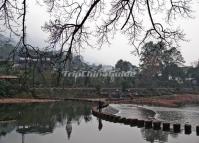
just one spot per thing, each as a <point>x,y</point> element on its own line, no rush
<point>24,100</point>
<point>175,100</point>
<point>57,92</point>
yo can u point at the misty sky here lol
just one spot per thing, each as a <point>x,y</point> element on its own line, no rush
<point>119,49</point>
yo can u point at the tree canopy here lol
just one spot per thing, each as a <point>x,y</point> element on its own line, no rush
<point>124,65</point>
<point>157,59</point>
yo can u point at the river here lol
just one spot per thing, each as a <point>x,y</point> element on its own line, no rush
<point>188,114</point>
<point>72,122</point>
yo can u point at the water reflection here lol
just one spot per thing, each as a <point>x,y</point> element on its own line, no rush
<point>6,128</point>
<point>69,128</point>
<point>72,122</point>
<point>100,125</point>
<point>152,136</point>
<point>42,118</point>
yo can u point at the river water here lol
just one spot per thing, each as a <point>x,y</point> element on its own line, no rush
<point>72,122</point>
<point>188,114</point>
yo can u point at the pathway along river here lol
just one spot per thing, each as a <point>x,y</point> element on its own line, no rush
<point>72,122</point>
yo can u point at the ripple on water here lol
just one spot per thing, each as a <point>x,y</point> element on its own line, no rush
<point>131,111</point>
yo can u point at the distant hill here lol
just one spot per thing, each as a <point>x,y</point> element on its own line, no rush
<point>4,39</point>
<point>6,46</point>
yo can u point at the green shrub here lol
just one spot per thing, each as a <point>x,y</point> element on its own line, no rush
<point>98,88</point>
<point>124,85</point>
<point>4,88</point>
<point>8,89</point>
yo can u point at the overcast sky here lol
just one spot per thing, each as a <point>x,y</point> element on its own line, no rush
<point>119,49</point>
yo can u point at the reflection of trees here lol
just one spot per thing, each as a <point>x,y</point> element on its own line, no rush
<point>41,129</point>
<point>174,135</point>
<point>152,136</point>
<point>87,118</point>
<point>6,128</point>
<point>42,117</point>
<point>100,125</point>
<point>23,138</point>
<point>69,128</point>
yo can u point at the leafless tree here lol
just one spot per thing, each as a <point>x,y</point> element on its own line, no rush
<point>76,21</point>
<point>76,24</point>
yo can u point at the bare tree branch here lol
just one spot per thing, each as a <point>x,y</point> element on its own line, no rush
<point>74,24</point>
